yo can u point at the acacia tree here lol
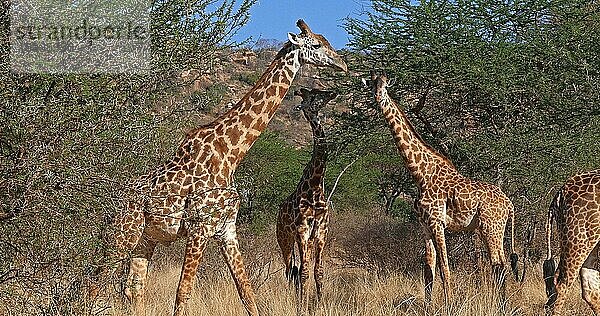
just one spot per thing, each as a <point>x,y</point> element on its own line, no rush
<point>70,143</point>
<point>509,90</point>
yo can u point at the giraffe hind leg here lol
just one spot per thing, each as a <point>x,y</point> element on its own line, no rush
<point>495,247</point>
<point>129,226</point>
<point>590,281</point>
<point>304,251</point>
<point>285,240</point>
<point>564,277</point>
<point>321,238</point>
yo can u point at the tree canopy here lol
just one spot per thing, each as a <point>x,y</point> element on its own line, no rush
<point>70,142</point>
<point>509,90</point>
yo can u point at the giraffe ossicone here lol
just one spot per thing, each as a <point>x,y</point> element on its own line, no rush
<point>576,210</point>
<point>303,217</point>
<point>192,195</point>
<point>447,200</point>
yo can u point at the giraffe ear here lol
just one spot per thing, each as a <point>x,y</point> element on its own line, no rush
<point>391,82</point>
<point>293,38</point>
<point>373,75</point>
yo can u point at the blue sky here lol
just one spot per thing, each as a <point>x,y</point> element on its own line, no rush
<point>273,19</point>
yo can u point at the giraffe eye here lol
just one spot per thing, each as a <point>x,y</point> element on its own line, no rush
<point>316,46</point>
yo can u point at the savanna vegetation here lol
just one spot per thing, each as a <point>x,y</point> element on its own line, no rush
<point>508,90</point>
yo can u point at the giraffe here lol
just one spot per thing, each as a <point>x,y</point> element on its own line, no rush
<point>447,199</point>
<point>192,195</point>
<point>576,210</point>
<point>303,217</point>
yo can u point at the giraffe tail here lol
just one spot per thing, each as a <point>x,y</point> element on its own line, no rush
<point>514,257</point>
<point>293,274</point>
<point>549,266</point>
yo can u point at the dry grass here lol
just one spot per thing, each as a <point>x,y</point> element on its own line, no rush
<point>372,268</point>
<point>351,291</point>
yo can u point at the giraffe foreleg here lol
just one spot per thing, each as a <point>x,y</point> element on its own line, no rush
<point>138,273</point>
<point>194,248</point>
<point>233,257</point>
<point>286,241</point>
<point>321,238</point>
<point>303,231</point>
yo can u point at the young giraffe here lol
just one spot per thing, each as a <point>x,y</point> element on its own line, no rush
<point>303,216</point>
<point>576,209</point>
<point>447,199</point>
<point>192,195</point>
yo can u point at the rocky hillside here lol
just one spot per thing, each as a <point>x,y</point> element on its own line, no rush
<point>236,74</point>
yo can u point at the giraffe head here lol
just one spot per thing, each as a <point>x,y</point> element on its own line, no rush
<point>378,85</point>
<point>313,101</point>
<point>315,49</point>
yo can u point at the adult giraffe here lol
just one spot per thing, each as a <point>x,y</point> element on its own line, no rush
<point>447,199</point>
<point>304,216</point>
<point>192,195</point>
<point>576,210</point>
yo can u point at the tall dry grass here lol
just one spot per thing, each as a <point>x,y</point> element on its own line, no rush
<point>352,291</point>
<point>372,268</point>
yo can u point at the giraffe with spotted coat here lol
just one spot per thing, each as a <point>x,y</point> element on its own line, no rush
<point>192,196</point>
<point>303,217</point>
<point>447,200</point>
<point>576,210</point>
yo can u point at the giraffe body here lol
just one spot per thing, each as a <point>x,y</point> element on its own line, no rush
<point>192,195</point>
<point>447,199</point>
<point>304,217</point>
<point>576,210</point>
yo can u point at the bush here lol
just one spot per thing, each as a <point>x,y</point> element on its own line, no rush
<point>71,144</point>
<point>249,78</point>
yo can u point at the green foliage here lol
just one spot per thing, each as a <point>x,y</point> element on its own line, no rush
<point>265,178</point>
<point>378,176</point>
<point>249,78</point>
<point>272,169</point>
<point>508,90</point>
<point>71,143</point>
<point>207,100</point>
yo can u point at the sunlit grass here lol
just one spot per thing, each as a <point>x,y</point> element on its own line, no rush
<point>352,291</point>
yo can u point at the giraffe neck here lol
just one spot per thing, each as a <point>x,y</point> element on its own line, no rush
<point>249,117</point>
<point>420,159</point>
<point>316,167</point>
